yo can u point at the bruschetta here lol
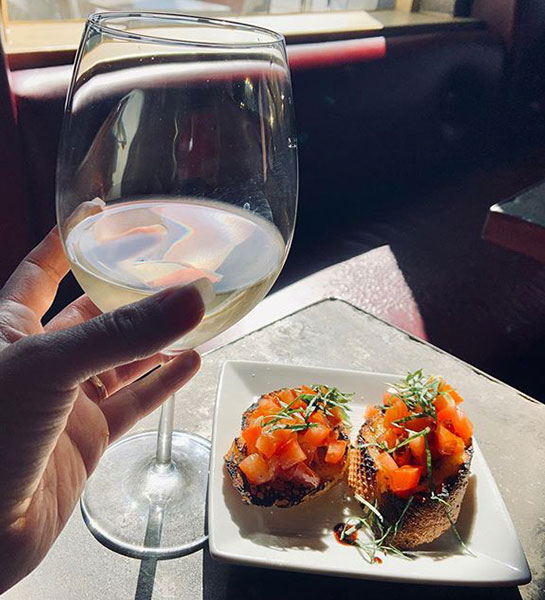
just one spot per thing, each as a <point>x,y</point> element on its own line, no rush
<point>293,446</point>
<point>411,459</point>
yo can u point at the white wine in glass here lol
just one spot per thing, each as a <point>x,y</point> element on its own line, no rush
<point>128,251</point>
<point>177,165</point>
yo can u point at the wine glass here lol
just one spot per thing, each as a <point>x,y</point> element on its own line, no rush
<point>177,164</point>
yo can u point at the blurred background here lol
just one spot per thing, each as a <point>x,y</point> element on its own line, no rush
<point>421,134</point>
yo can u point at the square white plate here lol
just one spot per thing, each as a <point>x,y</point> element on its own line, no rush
<point>301,538</point>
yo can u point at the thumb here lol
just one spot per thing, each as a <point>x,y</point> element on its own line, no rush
<point>62,359</point>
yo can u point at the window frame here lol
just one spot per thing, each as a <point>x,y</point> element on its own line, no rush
<point>31,44</point>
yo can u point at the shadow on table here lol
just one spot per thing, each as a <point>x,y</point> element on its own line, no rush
<point>229,582</point>
<point>146,579</point>
<point>148,566</point>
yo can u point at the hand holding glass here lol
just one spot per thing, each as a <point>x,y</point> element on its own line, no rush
<point>177,166</point>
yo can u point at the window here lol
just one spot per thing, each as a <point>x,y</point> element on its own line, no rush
<point>47,32</point>
<point>30,10</point>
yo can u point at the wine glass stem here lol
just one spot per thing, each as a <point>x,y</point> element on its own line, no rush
<point>163,455</point>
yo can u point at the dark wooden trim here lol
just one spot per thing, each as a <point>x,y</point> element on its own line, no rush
<point>515,234</point>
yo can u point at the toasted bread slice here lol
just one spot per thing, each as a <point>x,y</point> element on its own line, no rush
<point>284,492</point>
<point>426,519</point>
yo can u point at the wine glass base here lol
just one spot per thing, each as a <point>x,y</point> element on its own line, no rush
<point>140,509</point>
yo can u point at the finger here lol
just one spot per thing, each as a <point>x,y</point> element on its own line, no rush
<point>78,311</point>
<point>81,310</point>
<point>129,405</point>
<point>62,359</point>
<point>115,379</point>
<point>35,281</point>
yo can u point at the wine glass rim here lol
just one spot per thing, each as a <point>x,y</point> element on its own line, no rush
<point>97,20</point>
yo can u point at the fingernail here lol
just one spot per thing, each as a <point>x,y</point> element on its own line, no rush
<point>186,362</point>
<point>84,210</point>
<point>189,359</point>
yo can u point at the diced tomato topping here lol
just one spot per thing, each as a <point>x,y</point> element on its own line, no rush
<point>291,454</point>
<point>371,411</point>
<point>449,434</point>
<point>250,435</point>
<point>457,422</point>
<point>388,398</point>
<point>389,437</point>
<point>255,420</point>
<point>418,447</point>
<point>456,396</point>
<point>332,437</point>
<point>386,462</point>
<point>442,402</point>
<point>266,444</point>
<point>434,447</point>
<point>275,450</point>
<point>266,406</point>
<point>309,450</point>
<point>335,452</point>
<point>447,414</point>
<point>269,405</point>
<point>305,475</point>
<point>398,410</point>
<point>405,478</point>
<point>418,423</point>
<point>463,427</point>
<point>445,387</point>
<point>285,396</point>
<point>283,435</point>
<point>256,469</point>
<point>336,416</point>
<point>447,442</point>
<point>318,417</point>
<point>316,435</point>
<point>403,456</point>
